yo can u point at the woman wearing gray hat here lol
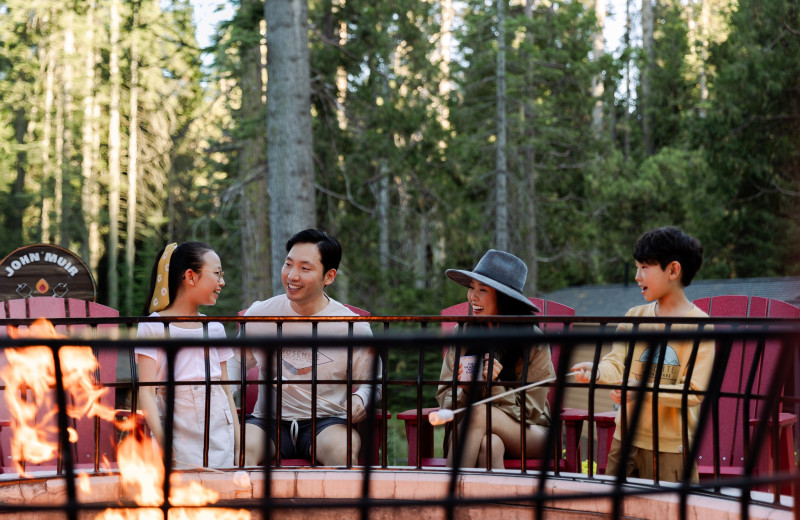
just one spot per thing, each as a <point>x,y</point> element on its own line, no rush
<point>495,289</point>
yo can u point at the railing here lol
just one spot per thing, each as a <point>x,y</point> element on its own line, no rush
<point>418,338</point>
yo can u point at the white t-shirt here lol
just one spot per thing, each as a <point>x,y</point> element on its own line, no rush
<point>331,361</point>
<point>189,362</point>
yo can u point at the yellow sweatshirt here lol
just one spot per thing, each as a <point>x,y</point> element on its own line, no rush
<point>673,376</point>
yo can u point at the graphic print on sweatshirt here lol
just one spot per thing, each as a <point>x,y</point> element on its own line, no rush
<point>669,372</point>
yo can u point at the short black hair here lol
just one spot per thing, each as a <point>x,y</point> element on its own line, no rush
<point>330,251</point>
<point>669,244</point>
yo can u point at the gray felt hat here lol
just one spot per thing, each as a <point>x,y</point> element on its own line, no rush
<point>500,270</point>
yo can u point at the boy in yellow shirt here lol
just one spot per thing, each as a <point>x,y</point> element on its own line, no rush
<point>666,261</point>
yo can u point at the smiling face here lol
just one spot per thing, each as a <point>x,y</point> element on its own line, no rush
<point>304,280</point>
<point>208,283</point>
<point>653,281</point>
<point>482,298</point>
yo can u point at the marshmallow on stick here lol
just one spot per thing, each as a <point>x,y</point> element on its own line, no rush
<point>444,415</point>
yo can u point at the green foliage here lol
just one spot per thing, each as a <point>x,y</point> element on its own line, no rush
<point>750,137</point>
<point>405,140</point>
<point>674,93</point>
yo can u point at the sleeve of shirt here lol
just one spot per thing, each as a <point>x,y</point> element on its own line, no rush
<point>444,394</point>
<point>612,366</point>
<point>363,358</point>
<point>217,330</point>
<point>148,330</point>
<point>540,368</point>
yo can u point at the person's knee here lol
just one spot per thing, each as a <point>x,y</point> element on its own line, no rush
<point>498,451</point>
<point>253,455</point>
<point>254,450</point>
<point>493,442</point>
<point>332,446</point>
<point>477,419</point>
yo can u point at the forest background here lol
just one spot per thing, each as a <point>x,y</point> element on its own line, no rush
<point>415,134</point>
<point>419,132</point>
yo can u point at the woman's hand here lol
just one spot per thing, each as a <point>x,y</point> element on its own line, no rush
<point>497,368</point>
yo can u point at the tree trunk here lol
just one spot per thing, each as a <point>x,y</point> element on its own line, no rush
<point>597,81</point>
<point>445,57</point>
<point>114,145</point>
<point>14,220</point>
<point>64,145</point>
<point>502,240</point>
<point>627,116</point>
<point>254,212</point>
<point>382,209</point>
<point>421,254</point>
<point>47,136</point>
<point>704,32</point>
<point>133,169</point>
<point>291,169</point>
<point>649,57</point>
<point>530,245</point>
<point>90,247</point>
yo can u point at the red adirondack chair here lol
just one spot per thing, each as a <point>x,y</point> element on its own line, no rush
<point>731,410</point>
<point>88,439</point>
<point>251,395</point>
<point>420,439</point>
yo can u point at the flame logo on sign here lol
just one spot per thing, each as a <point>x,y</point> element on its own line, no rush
<point>42,286</point>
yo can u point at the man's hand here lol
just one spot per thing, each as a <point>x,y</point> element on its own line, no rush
<point>583,371</point>
<point>359,410</point>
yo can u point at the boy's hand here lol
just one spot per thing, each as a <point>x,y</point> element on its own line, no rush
<point>616,395</point>
<point>583,371</point>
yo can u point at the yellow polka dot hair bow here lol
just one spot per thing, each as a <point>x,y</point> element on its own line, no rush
<point>161,292</point>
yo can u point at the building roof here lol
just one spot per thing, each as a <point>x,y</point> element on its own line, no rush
<point>616,299</point>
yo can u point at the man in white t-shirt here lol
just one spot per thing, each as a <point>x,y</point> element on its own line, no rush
<point>311,262</point>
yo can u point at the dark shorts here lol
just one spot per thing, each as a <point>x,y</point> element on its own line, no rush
<point>301,449</point>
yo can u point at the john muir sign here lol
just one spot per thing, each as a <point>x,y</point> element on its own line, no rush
<point>45,270</point>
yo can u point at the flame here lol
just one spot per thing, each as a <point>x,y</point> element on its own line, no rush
<point>83,482</point>
<point>142,475</point>
<point>31,371</point>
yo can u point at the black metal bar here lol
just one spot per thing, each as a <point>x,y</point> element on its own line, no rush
<point>786,331</point>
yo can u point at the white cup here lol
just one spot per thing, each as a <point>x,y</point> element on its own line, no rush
<point>468,364</point>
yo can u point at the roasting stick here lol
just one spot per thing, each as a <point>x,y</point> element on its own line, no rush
<point>443,415</point>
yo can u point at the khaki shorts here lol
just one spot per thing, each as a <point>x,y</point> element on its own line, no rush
<point>640,464</point>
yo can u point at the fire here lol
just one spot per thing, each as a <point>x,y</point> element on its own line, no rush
<point>141,470</point>
<point>31,373</point>
<point>142,475</point>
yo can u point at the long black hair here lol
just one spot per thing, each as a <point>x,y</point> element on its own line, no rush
<point>188,255</point>
<point>508,355</point>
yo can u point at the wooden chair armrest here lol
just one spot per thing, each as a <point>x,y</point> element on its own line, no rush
<point>411,415</point>
<point>784,420</point>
